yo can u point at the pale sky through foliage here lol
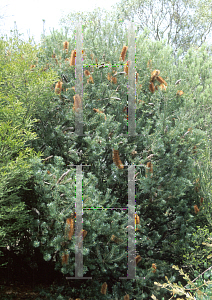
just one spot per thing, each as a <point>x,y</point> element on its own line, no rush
<point>29,14</point>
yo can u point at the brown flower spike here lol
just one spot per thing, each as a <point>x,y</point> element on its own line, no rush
<point>138,259</point>
<point>154,74</point>
<point>149,165</point>
<point>77,103</point>
<point>151,87</point>
<point>70,227</point>
<point>98,111</point>
<point>196,209</point>
<point>123,53</point>
<point>72,59</point>
<point>65,258</point>
<point>179,93</point>
<point>154,267</point>
<point>116,159</point>
<point>58,87</point>
<point>161,80</point>
<point>65,46</point>
<point>104,288</point>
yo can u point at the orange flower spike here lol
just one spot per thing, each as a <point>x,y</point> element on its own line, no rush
<point>65,46</point>
<point>72,59</point>
<point>126,69</point>
<point>154,267</point>
<point>161,80</point>
<point>123,53</point>
<point>114,80</point>
<point>138,259</point>
<point>58,87</point>
<point>104,288</point>
<point>151,87</point>
<point>65,258</point>
<point>154,74</point>
<point>137,77</point>
<point>162,87</point>
<point>179,93</point>
<point>70,227</point>
<point>201,201</point>
<point>87,73</point>
<point>149,64</point>
<point>91,79</point>
<point>149,165</point>
<point>77,102</point>
<point>116,159</point>
<point>196,209</point>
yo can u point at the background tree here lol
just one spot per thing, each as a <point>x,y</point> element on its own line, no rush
<point>182,23</point>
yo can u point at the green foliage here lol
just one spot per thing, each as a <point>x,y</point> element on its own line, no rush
<point>15,132</point>
<point>201,289</point>
<point>168,133</point>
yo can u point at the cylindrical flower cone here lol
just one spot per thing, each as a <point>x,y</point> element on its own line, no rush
<point>70,228</point>
<point>72,59</point>
<point>151,87</point>
<point>123,53</point>
<point>154,74</point>
<point>104,288</point>
<point>116,159</point>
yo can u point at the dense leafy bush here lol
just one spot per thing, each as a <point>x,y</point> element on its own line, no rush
<point>170,144</point>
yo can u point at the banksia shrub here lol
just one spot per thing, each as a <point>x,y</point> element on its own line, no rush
<point>196,209</point>
<point>58,87</point>
<point>123,53</point>
<point>116,159</point>
<point>104,288</point>
<point>69,228</point>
